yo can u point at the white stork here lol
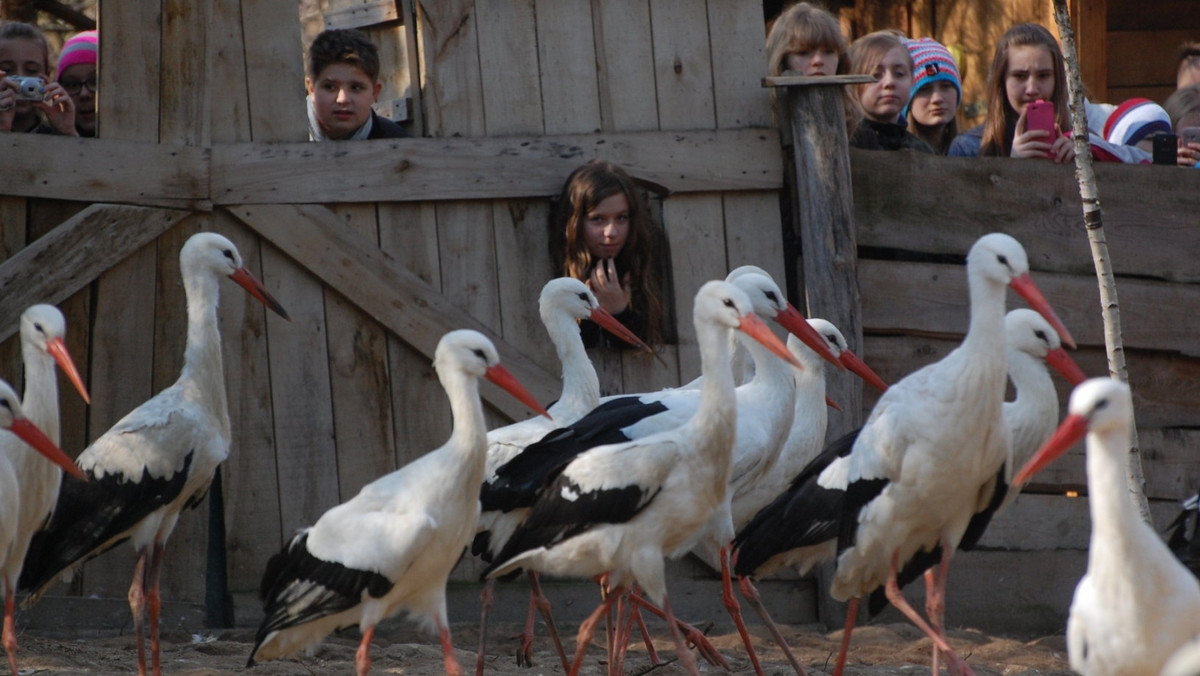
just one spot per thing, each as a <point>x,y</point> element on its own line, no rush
<point>42,346</point>
<point>1137,604</point>
<point>393,545</point>
<point>13,495</point>
<point>562,304</point>
<point>619,509</point>
<point>928,456</point>
<point>158,459</point>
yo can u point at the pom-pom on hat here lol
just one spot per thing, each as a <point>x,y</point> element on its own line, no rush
<point>83,48</point>
<point>931,62</point>
<point>1134,120</point>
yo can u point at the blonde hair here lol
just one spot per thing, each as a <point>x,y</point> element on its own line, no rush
<point>868,51</point>
<point>1001,116</point>
<point>802,27</point>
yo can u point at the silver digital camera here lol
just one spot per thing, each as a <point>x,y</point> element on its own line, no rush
<point>29,88</point>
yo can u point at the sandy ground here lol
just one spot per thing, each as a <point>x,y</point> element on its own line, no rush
<point>877,650</point>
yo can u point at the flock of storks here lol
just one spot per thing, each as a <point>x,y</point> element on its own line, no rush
<point>732,467</point>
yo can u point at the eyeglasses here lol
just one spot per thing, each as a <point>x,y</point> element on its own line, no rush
<point>74,87</point>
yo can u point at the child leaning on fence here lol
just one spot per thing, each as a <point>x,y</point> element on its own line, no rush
<point>343,84</point>
<point>29,100</point>
<point>883,55</point>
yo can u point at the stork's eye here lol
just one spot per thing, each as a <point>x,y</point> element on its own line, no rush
<point>228,254</point>
<point>729,303</point>
<point>38,328</point>
<point>583,297</point>
<point>1003,259</point>
<point>1041,336</point>
<point>772,297</point>
<point>1100,405</point>
<point>7,405</point>
<point>479,353</point>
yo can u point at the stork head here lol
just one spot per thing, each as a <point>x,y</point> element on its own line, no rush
<point>567,295</point>
<point>216,254</point>
<point>1101,406</point>
<point>473,353</point>
<point>1000,259</point>
<point>44,328</point>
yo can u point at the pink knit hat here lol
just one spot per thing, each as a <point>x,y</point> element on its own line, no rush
<point>83,48</point>
<point>1134,120</point>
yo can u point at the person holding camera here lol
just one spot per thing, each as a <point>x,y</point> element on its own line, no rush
<point>29,102</point>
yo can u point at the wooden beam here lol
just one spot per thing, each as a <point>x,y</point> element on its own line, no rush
<point>488,168</point>
<point>317,239</point>
<point>1090,19</point>
<point>105,170</point>
<point>77,252</point>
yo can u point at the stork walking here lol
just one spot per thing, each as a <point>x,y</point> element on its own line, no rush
<point>1137,604</point>
<point>392,546</point>
<point>157,460</point>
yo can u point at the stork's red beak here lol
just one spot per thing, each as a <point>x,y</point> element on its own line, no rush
<point>1023,285</point>
<point>1072,429</point>
<point>793,320</point>
<point>509,383</point>
<point>255,288</point>
<point>58,349</point>
<point>832,404</point>
<point>859,368</point>
<point>30,434</point>
<point>754,327</point>
<point>610,323</point>
<point>1066,367</point>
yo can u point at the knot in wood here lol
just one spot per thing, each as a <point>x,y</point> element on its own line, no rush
<point>678,66</point>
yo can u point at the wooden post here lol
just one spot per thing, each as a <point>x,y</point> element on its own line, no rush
<point>813,114</point>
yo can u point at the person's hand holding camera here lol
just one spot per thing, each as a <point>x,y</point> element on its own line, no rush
<point>8,102</point>
<point>59,108</point>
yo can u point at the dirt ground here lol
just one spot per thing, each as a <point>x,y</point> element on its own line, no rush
<point>876,650</point>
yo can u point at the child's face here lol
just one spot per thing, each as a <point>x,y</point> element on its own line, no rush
<point>342,98</point>
<point>1030,76</point>
<point>814,61</point>
<point>607,227</point>
<point>21,56</point>
<point>883,99</point>
<point>934,104</point>
<point>78,77</point>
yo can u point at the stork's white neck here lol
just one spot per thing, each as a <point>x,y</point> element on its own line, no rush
<point>40,399</point>
<point>203,368</point>
<point>469,435</point>
<point>1116,525</point>
<point>1033,414</point>
<point>716,416</point>
<point>581,387</point>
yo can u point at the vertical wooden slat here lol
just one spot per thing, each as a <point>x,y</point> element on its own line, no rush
<point>739,62</point>
<point>524,268</point>
<point>1090,23</point>
<point>359,378</point>
<point>625,58</point>
<point>230,101</point>
<point>753,232</point>
<point>12,240</point>
<point>682,66</point>
<point>697,236</point>
<point>135,42</point>
<point>185,72</point>
<point>413,66</point>
<point>508,67</point>
<point>274,70</point>
<point>453,101</point>
<point>567,54</point>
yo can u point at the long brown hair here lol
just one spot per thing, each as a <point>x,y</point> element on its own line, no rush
<point>641,256</point>
<point>1001,117</point>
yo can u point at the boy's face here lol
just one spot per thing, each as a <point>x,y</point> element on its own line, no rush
<point>342,98</point>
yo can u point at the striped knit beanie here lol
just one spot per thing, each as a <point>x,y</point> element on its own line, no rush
<point>82,48</point>
<point>931,61</point>
<point>1134,120</point>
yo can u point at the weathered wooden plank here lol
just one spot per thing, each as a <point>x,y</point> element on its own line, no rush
<point>12,240</point>
<point>76,253</point>
<point>358,375</point>
<point>450,52</point>
<point>625,61</point>
<point>385,290</point>
<point>523,267</point>
<point>412,67</point>
<point>567,54</point>
<point>104,170</point>
<point>1089,21</point>
<point>738,61</point>
<point>227,65</point>
<point>933,298</point>
<point>483,168</point>
<point>1147,57</point>
<point>508,68</point>
<point>682,65</point>
<point>185,73</point>
<point>754,234</point>
<point>360,13</point>
<point>1039,205</point>
<point>696,235</point>
<point>395,98</point>
<point>273,57</point>
<point>134,115</point>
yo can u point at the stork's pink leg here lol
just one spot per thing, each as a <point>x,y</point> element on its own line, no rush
<point>641,623</point>
<point>935,619</point>
<point>935,605</point>
<point>154,604</point>
<point>588,629</point>
<point>686,659</point>
<point>624,633</point>
<point>525,651</point>
<point>362,656</point>
<point>137,606</point>
<point>693,635</point>
<point>10,627</point>
<point>844,649</point>
<point>751,594</point>
<point>448,658</point>
<point>735,610</point>
<point>538,598</point>
<point>486,596</point>
<point>896,596</point>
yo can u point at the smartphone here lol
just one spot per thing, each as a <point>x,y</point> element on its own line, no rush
<point>1040,115</point>
<point>1189,135</point>
<point>1166,148</point>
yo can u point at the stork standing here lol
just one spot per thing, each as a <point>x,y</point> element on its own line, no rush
<point>158,459</point>
<point>1136,605</point>
<point>562,304</point>
<point>928,456</point>
<point>42,346</point>
<point>393,545</point>
<point>619,509</point>
<point>13,494</point>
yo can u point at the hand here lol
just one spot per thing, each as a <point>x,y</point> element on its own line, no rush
<point>1062,150</point>
<point>8,102</point>
<point>608,287</point>
<point>1188,155</point>
<point>1032,143</point>
<point>59,108</point>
